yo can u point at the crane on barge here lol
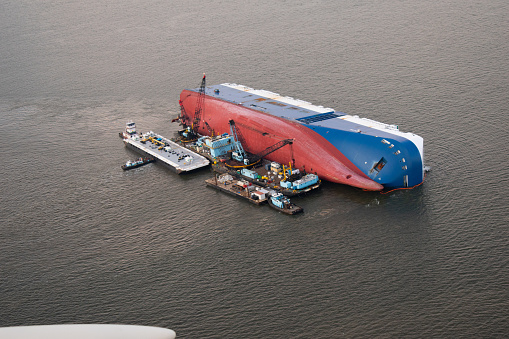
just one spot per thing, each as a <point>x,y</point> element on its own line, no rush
<point>240,154</point>
<point>190,133</point>
<point>199,105</point>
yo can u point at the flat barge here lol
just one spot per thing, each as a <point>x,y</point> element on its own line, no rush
<point>242,189</point>
<point>163,150</point>
<point>269,175</point>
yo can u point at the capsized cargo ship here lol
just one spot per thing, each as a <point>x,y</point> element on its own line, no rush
<point>338,147</point>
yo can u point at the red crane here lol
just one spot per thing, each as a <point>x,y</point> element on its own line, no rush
<point>199,105</point>
<point>190,133</point>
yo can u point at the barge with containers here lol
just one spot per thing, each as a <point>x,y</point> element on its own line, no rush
<point>253,193</point>
<point>272,175</point>
<point>239,188</point>
<point>338,147</point>
<point>162,150</point>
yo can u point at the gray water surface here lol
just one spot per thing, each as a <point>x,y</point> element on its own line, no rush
<point>81,241</point>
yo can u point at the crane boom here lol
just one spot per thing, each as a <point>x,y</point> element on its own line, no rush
<point>271,149</point>
<point>199,104</point>
<point>241,154</point>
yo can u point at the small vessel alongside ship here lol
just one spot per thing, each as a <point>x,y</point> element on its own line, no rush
<point>163,150</point>
<point>281,203</point>
<point>136,163</point>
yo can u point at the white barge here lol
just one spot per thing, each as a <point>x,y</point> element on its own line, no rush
<point>163,150</point>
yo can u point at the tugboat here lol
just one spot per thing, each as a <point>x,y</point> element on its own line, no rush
<point>281,203</point>
<point>130,130</point>
<point>137,163</point>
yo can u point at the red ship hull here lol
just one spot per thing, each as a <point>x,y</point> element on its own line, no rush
<point>309,151</point>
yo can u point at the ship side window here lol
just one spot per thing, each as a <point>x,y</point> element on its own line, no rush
<point>379,165</point>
